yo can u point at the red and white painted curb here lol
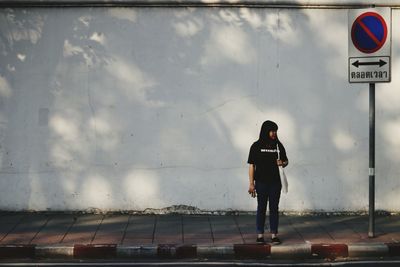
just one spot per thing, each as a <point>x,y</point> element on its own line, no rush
<point>174,251</point>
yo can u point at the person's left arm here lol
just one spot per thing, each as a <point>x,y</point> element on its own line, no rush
<point>284,161</point>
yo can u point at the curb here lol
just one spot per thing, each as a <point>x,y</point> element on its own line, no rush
<point>17,251</point>
<point>53,252</point>
<point>177,251</point>
<point>368,250</point>
<point>330,251</point>
<point>300,251</point>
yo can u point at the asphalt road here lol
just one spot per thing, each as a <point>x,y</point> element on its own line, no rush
<point>368,263</point>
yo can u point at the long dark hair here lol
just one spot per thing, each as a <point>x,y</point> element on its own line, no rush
<point>266,127</point>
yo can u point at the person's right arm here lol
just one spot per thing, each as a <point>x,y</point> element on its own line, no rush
<point>252,188</point>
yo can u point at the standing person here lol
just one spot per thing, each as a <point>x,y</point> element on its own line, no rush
<point>264,178</point>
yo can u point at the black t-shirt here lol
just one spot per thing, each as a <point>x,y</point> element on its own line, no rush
<point>264,157</point>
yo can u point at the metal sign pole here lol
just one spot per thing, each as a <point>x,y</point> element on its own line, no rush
<point>371,228</point>
<point>370,64</point>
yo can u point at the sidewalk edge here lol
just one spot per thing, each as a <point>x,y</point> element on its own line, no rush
<point>184,251</point>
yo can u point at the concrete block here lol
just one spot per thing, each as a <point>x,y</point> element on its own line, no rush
<point>137,251</point>
<point>215,251</point>
<point>95,251</point>
<point>329,251</point>
<point>17,251</point>
<point>368,250</point>
<point>394,249</point>
<point>295,251</point>
<point>50,252</point>
<point>252,250</point>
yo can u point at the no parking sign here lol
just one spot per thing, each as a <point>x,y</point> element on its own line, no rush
<point>369,45</point>
<point>369,62</point>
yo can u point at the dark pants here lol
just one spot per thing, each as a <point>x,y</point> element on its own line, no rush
<point>272,194</point>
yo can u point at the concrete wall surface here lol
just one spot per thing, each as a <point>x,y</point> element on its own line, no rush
<point>320,3</point>
<point>135,108</point>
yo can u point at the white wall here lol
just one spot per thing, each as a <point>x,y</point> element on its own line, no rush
<point>135,108</point>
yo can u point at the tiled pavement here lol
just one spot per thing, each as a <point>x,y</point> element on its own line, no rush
<point>123,229</point>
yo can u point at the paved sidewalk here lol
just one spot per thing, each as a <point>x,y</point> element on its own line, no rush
<point>120,230</point>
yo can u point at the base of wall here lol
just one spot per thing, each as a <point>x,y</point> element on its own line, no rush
<point>190,210</point>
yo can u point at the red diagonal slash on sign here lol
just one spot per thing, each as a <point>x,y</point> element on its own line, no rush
<point>370,34</point>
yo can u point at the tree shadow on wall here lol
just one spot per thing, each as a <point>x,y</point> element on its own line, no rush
<point>127,109</point>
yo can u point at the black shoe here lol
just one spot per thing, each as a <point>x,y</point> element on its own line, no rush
<point>275,241</point>
<point>260,240</point>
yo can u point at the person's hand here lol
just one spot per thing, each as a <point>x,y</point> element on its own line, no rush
<point>252,190</point>
<point>279,162</point>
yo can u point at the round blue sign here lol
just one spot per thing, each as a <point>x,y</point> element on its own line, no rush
<point>369,32</point>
